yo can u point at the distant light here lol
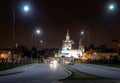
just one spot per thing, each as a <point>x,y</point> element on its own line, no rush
<point>82,32</point>
<point>16,45</point>
<point>38,31</point>
<point>111,7</point>
<point>94,53</point>
<point>26,8</point>
<point>9,52</point>
<point>53,65</point>
<point>55,62</point>
<point>41,41</point>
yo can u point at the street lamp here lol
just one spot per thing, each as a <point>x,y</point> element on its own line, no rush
<point>25,9</point>
<point>112,7</point>
<point>83,35</point>
<point>36,32</point>
<point>82,32</point>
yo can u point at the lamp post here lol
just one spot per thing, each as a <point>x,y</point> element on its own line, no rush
<point>36,32</point>
<point>25,9</point>
<point>13,37</point>
<point>83,35</point>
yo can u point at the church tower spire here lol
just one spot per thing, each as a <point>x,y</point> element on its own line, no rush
<point>67,43</point>
<point>67,36</point>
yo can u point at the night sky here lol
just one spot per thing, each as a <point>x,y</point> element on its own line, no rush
<point>54,17</point>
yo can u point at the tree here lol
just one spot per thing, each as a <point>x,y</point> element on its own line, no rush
<point>92,47</point>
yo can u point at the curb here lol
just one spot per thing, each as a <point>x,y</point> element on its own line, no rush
<point>11,73</point>
<point>69,73</point>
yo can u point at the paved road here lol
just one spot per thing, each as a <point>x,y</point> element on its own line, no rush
<point>43,73</point>
<point>91,81</point>
<point>108,72</point>
<point>18,69</point>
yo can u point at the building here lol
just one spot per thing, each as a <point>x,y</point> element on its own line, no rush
<point>68,51</point>
<point>67,43</point>
<point>115,45</point>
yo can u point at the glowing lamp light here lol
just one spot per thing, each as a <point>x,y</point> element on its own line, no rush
<point>82,32</point>
<point>41,41</point>
<point>3,56</point>
<point>38,31</point>
<point>26,8</point>
<point>53,65</point>
<point>111,7</point>
<point>55,62</point>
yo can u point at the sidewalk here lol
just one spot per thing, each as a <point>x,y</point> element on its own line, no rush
<point>17,69</point>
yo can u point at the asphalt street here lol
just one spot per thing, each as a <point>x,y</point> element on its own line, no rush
<point>44,73</point>
<point>107,72</point>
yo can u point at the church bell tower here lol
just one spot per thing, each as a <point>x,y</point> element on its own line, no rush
<point>67,44</point>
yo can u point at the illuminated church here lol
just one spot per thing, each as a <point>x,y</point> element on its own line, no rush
<point>68,51</point>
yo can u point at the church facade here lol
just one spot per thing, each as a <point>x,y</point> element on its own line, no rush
<point>68,51</point>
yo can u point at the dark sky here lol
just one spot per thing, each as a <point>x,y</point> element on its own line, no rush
<point>54,17</point>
